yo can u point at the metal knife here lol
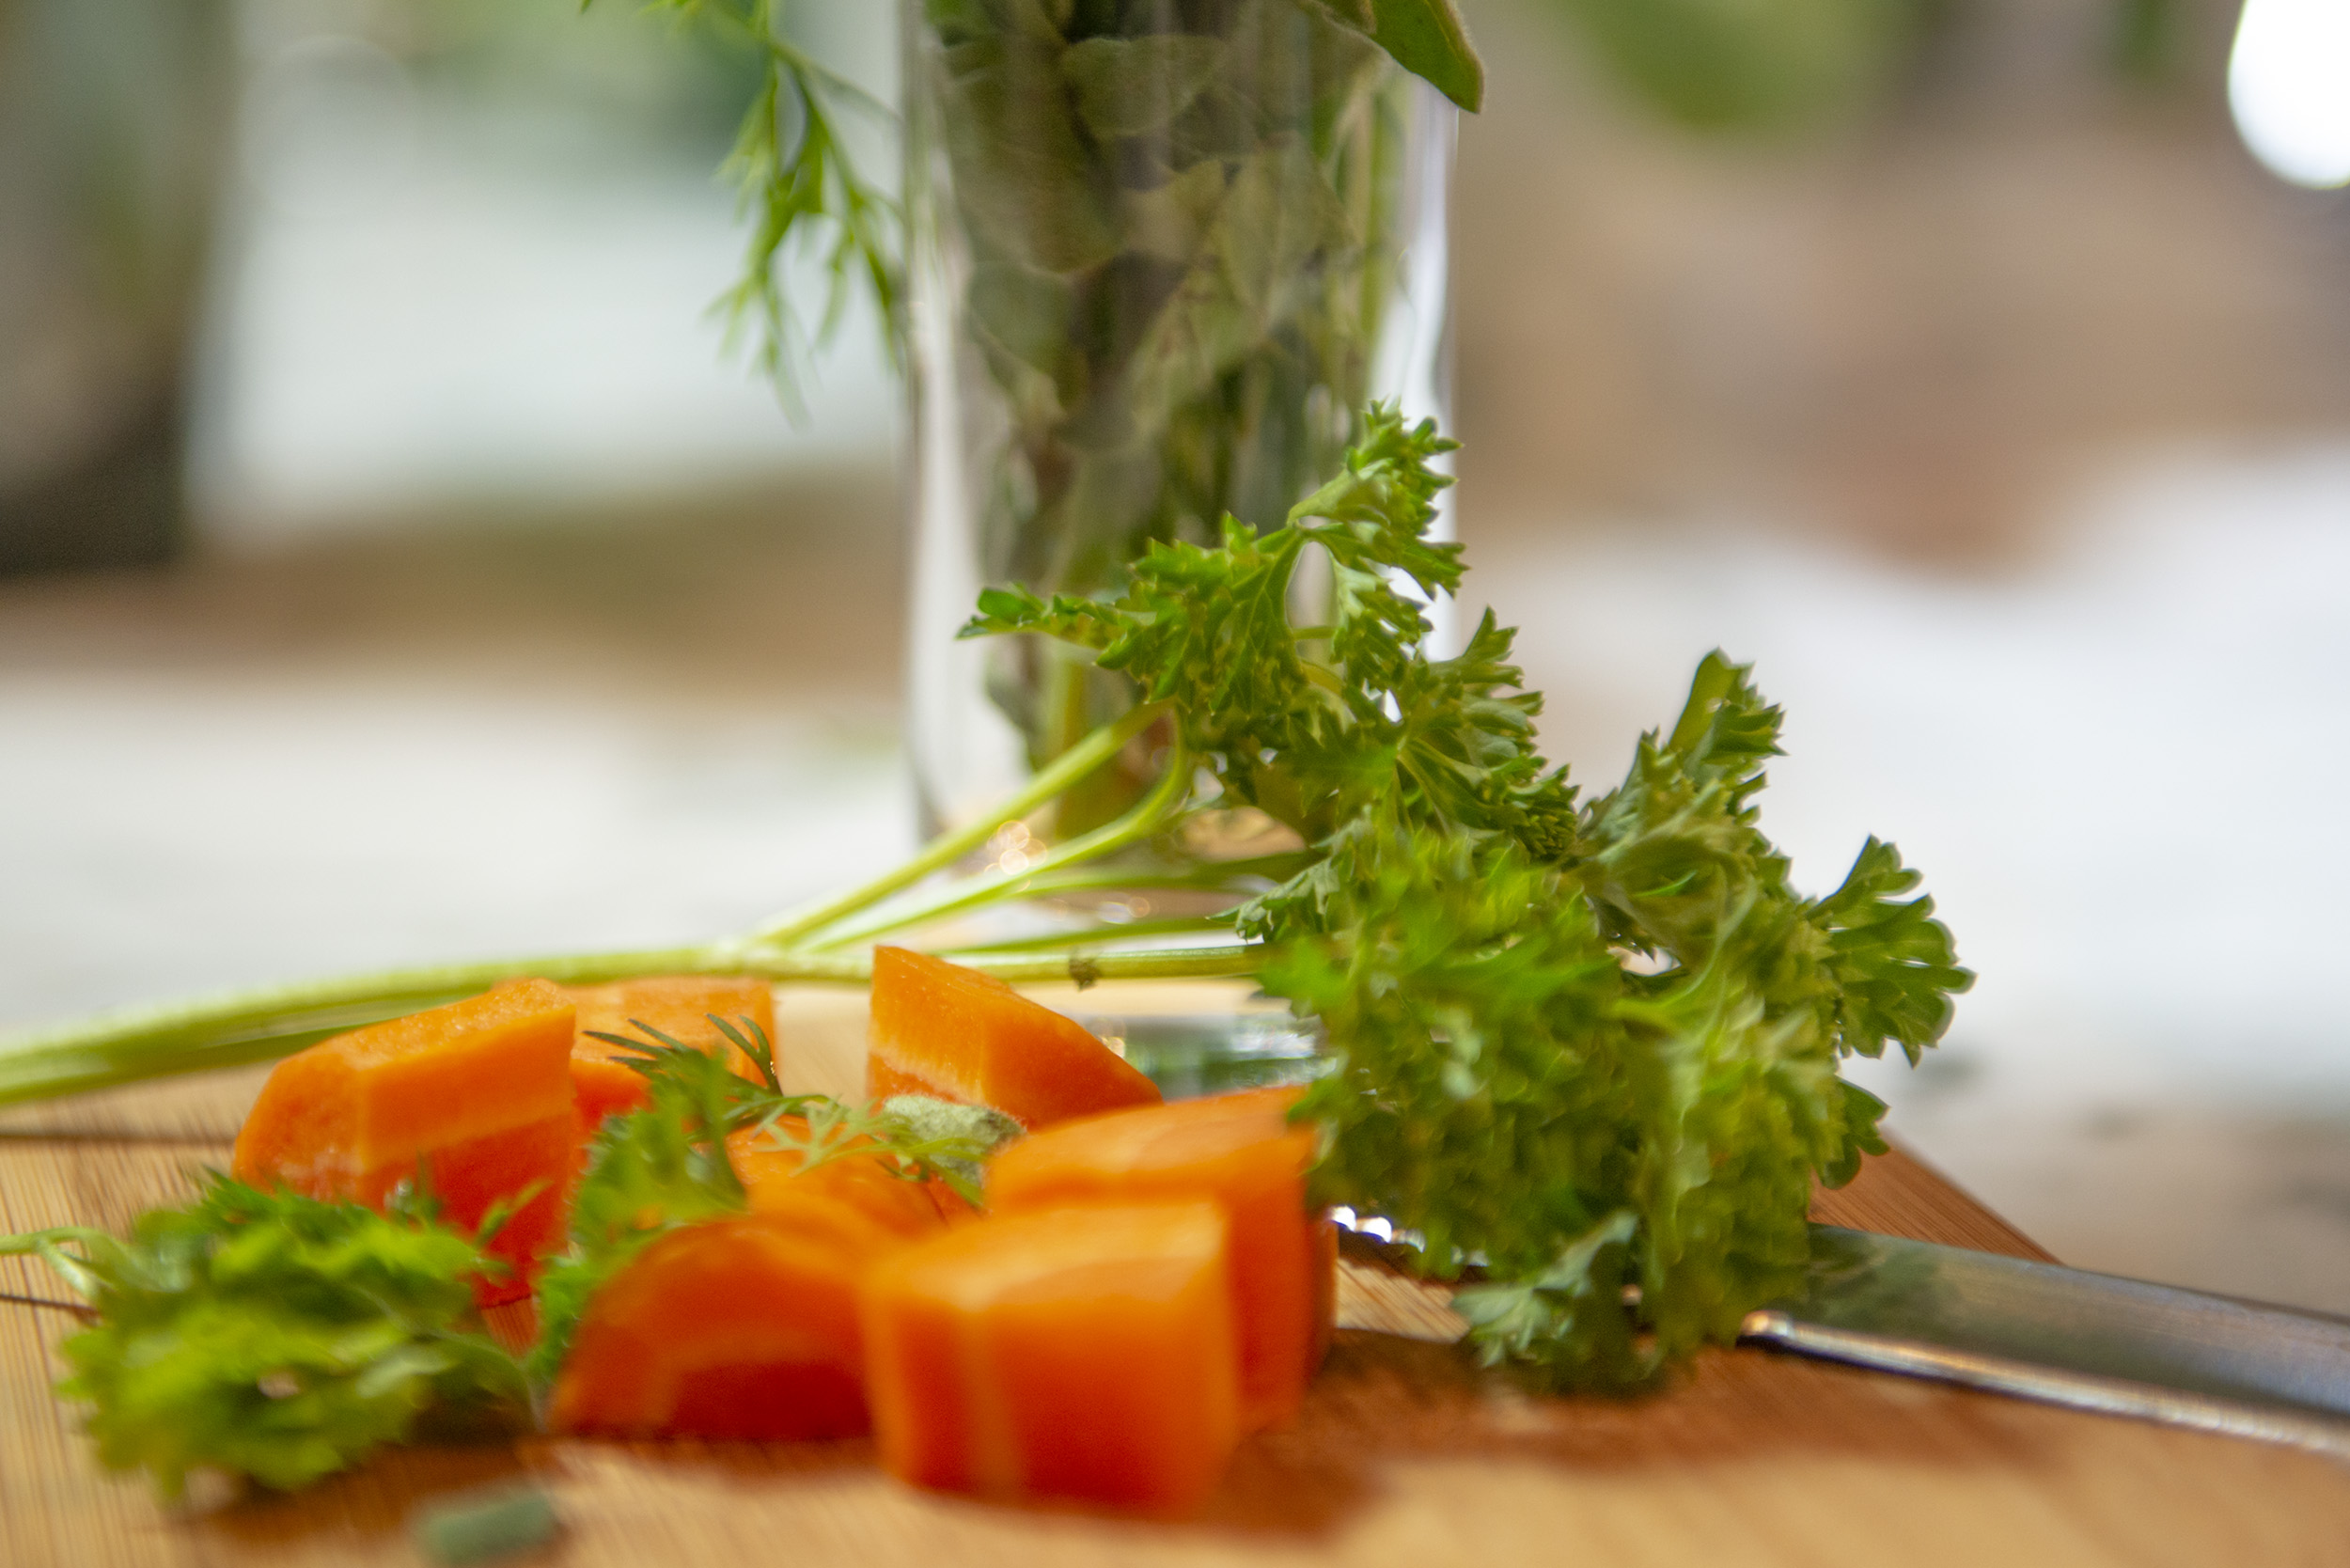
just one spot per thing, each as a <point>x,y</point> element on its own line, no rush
<point>2065,1336</point>
<point>2042,1331</point>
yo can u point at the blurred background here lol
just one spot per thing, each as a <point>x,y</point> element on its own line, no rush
<point>394,565</point>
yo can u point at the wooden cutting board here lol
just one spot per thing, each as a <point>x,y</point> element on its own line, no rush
<point>1405,1454</point>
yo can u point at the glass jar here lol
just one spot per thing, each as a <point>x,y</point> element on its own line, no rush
<point>1160,254</point>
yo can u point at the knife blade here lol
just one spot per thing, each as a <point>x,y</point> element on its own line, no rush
<point>2041,1331</point>
<point>2065,1336</point>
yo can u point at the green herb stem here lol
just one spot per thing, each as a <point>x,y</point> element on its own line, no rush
<point>1080,761</point>
<point>135,1044</point>
<point>1093,940</point>
<point>1212,876</point>
<point>1146,817</point>
<point>1500,1081</point>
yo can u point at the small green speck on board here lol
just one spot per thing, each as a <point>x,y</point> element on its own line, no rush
<point>483,1525</point>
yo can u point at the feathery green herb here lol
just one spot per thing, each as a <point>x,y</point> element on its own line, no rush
<point>652,1170</point>
<point>648,1172</point>
<point>1504,1084</point>
<point>277,1338</point>
<point>1591,1046</point>
<point>801,186</point>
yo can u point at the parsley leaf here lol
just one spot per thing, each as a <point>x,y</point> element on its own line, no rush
<point>652,1170</point>
<point>276,1337</point>
<point>1589,1047</point>
<point>648,1172</point>
<point>919,1137</point>
<point>1323,727</point>
<point>1504,1084</point>
<point>1424,37</point>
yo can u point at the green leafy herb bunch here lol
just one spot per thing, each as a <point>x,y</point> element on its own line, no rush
<point>271,1336</point>
<point>1588,1047</point>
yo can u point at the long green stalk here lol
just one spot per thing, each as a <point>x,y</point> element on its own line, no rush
<point>1073,766</point>
<point>133,1045</point>
<point>1147,816</point>
<point>136,1043</point>
<point>1213,876</point>
<point>1093,941</point>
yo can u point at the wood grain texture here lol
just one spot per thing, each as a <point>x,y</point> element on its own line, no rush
<point>1404,1454</point>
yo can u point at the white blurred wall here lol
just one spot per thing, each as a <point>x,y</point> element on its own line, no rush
<point>427,298</point>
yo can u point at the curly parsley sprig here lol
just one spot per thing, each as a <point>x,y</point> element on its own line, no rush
<point>276,1337</point>
<point>652,1170</point>
<point>1503,1082</point>
<point>1626,1149</point>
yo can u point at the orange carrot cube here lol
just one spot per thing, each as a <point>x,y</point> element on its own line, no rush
<point>680,1007</point>
<point>942,1029</point>
<point>1083,1353</point>
<point>773,1173</point>
<point>742,1329</point>
<point>1238,1150</point>
<point>472,1101</point>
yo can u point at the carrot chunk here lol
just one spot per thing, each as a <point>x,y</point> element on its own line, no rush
<point>1238,1150</point>
<point>860,1176</point>
<point>743,1329</point>
<point>1082,1353</point>
<point>680,1007</point>
<point>939,1028</point>
<point>471,1100</point>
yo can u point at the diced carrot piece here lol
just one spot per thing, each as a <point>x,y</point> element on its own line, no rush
<point>472,1101</point>
<point>953,1206</point>
<point>470,1177</point>
<point>1238,1150</point>
<point>744,1329</point>
<point>1326,1320</point>
<point>773,1174</point>
<point>680,1007</point>
<point>1082,1353</point>
<point>942,1029</point>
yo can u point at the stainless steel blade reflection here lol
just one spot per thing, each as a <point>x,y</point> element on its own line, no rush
<point>2037,1330</point>
<point>2065,1336</point>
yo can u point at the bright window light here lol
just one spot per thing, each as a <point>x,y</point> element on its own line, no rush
<point>2289,86</point>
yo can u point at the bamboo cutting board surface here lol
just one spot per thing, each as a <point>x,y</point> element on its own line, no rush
<point>1404,1454</point>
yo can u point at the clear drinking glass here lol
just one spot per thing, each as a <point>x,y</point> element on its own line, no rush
<point>1160,253</point>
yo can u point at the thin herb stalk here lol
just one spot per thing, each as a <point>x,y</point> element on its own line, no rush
<point>1073,765</point>
<point>1146,817</point>
<point>237,1029</point>
<point>1212,876</point>
<point>1092,940</point>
